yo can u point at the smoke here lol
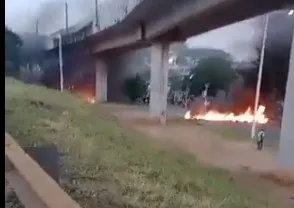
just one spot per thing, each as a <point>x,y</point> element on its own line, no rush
<point>22,16</point>
<point>238,39</point>
<point>280,30</point>
<point>243,38</point>
<point>50,15</point>
<point>248,37</point>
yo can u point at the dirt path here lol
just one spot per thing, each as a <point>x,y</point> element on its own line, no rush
<point>209,148</point>
<point>240,157</point>
<point>205,145</point>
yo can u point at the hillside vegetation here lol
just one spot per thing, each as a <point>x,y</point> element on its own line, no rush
<point>106,165</point>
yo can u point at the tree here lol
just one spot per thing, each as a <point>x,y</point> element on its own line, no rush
<point>12,52</point>
<point>175,82</point>
<point>134,88</point>
<point>216,71</point>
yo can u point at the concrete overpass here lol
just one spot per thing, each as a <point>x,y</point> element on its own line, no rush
<point>158,25</point>
<point>173,20</point>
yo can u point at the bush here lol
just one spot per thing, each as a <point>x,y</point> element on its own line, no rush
<point>216,71</point>
<point>134,88</point>
<point>12,53</point>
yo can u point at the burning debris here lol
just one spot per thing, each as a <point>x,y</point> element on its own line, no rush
<point>90,100</point>
<point>83,91</point>
<point>87,97</point>
<point>246,117</point>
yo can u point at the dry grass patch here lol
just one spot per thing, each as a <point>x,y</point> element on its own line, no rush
<point>105,164</point>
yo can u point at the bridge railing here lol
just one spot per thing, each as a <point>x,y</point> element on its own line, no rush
<point>32,185</point>
<point>120,9</point>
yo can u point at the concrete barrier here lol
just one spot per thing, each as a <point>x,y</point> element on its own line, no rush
<point>32,185</point>
<point>47,158</point>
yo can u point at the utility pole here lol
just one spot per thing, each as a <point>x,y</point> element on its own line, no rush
<point>259,78</point>
<point>204,94</point>
<point>36,50</point>
<point>37,33</point>
<point>97,16</point>
<point>66,18</point>
<point>60,63</point>
<point>66,38</point>
<point>37,28</point>
<point>125,9</point>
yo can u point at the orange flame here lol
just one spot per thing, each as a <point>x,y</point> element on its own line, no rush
<point>246,117</point>
<point>91,100</point>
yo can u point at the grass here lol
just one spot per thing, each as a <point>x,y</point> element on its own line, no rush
<point>106,165</point>
<point>241,132</point>
<point>228,131</point>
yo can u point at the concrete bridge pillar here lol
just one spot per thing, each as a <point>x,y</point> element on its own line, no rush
<point>286,151</point>
<point>101,80</point>
<point>159,81</point>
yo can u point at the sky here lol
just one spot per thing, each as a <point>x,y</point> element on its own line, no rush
<point>22,15</point>
<point>238,39</point>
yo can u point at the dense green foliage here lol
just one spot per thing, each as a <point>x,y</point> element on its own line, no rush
<point>216,71</point>
<point>13,44</point>
<point>134,88</point>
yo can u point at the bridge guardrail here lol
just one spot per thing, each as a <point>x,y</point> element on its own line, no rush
<point>32,185</point>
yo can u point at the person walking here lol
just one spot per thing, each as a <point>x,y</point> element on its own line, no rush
<point>260,138</point>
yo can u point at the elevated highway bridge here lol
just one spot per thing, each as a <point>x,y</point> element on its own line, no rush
<point>159,24</point>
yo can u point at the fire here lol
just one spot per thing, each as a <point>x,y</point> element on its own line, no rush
<point>246,117</point>
<point>91,100</point>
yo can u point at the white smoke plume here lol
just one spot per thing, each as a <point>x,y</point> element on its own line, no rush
<point>50,13</point>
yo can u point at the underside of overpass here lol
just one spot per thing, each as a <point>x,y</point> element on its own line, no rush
<point>112,69</point>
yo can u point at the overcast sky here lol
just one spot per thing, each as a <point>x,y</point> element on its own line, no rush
<point>238,39</point>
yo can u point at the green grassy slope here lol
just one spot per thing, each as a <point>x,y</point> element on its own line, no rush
<point>106,165</point>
